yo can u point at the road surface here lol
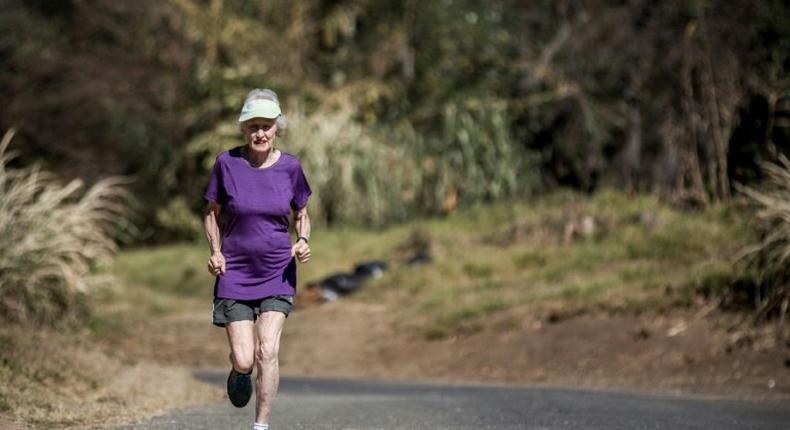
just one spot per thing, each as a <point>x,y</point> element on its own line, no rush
<point>314,404</point>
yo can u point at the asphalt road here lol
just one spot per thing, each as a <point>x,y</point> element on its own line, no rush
<point>308,403</point>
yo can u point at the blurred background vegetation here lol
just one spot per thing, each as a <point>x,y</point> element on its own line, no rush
<point>404,109</point>
<point>563,155</point>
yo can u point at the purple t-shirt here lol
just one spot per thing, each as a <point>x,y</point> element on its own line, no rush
<point>256,205</point>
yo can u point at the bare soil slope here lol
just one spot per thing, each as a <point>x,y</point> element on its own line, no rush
<point>694,350</point>
<point>690,351</point>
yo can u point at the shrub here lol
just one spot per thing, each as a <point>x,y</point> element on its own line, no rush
<point>176,221</point>
<point>769,259</point>
<point>51,236</point>
<point>356,176</point>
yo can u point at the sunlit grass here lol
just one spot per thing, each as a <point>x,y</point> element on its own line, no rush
<point>500,260</point>
<point>175,269</point>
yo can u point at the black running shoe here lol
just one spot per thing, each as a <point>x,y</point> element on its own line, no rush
<point>239,388</point>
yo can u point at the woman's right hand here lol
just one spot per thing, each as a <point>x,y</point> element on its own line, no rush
<point>216,264</point>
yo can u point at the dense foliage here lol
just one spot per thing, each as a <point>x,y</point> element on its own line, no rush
<point>431,104</point>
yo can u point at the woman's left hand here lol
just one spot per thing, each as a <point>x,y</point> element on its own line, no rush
<point>301,250</point>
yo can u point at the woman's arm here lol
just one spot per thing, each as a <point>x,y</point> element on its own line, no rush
<point>216,261</point>
<point>301,248</point>
<point>302,223</point>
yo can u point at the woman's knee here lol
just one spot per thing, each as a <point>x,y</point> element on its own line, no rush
<point>267,352</point>
<point>242,362</point>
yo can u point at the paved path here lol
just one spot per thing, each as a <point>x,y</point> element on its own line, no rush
<point>308,403</point>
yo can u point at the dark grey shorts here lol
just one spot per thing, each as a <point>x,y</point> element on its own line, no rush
<point>229,310</point>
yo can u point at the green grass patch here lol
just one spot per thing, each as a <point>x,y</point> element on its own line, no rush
<point>476,270</point>
<point>638,273</point>
<point>529,259</point>
<point>668,245</point>
<point>464,319</point>
<point>585,290</point>
<point>640,250</point>
<point>175,269</point>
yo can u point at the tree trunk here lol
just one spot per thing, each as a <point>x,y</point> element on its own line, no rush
<point>718,128</point>
<point>692,181</point>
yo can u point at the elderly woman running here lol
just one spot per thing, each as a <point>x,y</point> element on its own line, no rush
<point>255,187</point>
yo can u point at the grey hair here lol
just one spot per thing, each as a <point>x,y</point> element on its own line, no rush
<point>267,94</point>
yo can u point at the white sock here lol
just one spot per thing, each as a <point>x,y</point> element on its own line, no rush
<point>259,426</point>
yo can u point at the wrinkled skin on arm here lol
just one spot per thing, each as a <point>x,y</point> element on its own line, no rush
<point>301,249</point>
<point>216,261</point>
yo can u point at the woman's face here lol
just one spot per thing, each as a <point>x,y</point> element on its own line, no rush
<point>259,133</point>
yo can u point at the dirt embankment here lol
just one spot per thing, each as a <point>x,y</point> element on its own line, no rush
<point>690,351</point>
<point>697,350</point>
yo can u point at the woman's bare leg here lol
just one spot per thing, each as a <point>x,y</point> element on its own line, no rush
<point>268,330</point>
<point>241,337</point>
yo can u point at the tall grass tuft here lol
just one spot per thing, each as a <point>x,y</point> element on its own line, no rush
<point>51,236</point>
<point>770,257</point>
<point>356,175</point>
<point>474,158</point>
<point>374,176</point>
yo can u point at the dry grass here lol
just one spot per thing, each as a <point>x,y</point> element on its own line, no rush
<point>770,257</point>
<point>51,236</point>
<point>774,214</point>
<point>56,380</point>
<point>53,239</point>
